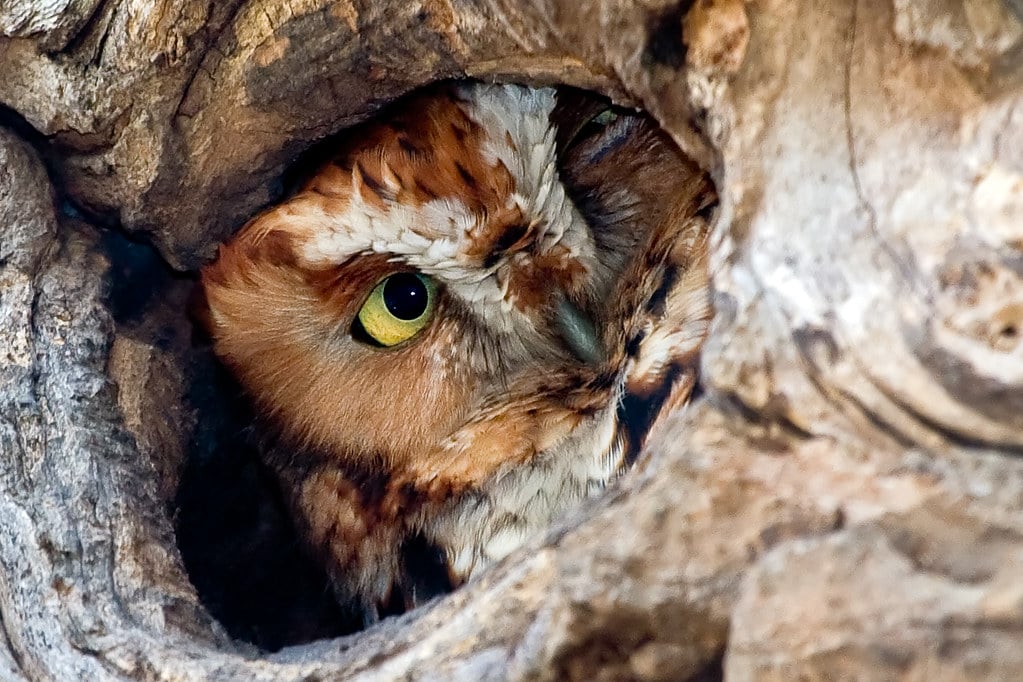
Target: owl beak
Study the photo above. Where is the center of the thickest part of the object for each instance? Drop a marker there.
(579, 333)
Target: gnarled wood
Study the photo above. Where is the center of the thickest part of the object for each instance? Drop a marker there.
(846, 498)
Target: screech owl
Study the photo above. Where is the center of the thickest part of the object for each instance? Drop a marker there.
(462, 325)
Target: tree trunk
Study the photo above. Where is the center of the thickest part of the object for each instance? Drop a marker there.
(845, 500)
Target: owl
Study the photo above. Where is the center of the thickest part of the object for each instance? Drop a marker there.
(462, 325)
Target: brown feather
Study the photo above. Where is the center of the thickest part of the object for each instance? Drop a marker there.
(431, 437)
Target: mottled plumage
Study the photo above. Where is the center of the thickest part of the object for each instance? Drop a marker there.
(561, 245)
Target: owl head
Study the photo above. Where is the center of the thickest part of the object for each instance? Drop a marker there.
(455, 290)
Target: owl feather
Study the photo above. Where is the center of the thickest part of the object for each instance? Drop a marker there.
(554, 250)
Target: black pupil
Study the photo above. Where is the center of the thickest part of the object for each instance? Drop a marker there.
(405, 296)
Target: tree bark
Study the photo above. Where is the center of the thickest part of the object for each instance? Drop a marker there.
(844, 501)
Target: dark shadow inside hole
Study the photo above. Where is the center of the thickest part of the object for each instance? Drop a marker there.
(138, 282)
(236, 539)
(713, 671)
(238, 543)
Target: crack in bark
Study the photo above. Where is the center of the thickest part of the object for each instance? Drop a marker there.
(17, 656)
(905, 268)
(755, 416)
(211, 44)
(948, 433)
(78, 38)
(101, 43)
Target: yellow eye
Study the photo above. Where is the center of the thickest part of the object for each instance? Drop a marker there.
(397, 309)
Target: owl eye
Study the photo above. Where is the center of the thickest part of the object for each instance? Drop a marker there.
(595, 125)
(399, 307)
(604, 118)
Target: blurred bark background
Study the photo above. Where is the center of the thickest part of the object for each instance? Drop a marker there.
(846, 500)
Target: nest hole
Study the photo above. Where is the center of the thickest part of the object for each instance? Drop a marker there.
(1006, 327)
(239, 545)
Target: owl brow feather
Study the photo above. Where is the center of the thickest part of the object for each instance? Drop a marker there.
(487, 347)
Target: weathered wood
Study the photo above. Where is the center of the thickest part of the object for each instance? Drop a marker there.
(847, 497)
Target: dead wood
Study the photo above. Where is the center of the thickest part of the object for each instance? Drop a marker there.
(846, 500)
